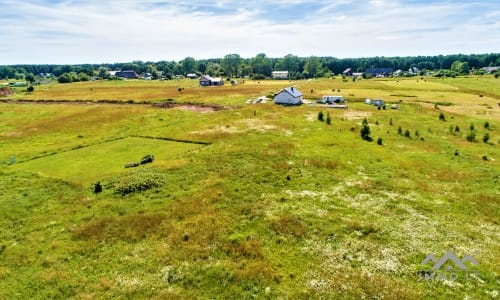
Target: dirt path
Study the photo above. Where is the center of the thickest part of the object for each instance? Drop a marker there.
(197, 107)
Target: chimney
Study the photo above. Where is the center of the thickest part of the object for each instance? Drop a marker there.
(291, 88)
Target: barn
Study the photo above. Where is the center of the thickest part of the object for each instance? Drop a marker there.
(206, 80)
(288, 96)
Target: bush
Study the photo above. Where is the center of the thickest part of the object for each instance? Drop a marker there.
(407, 134)
(30, 89)
(97, 187)
(132, 165)
(147, 159)
(471, 137)
(441, 117)
(328, 118)
(486, 125)
(320, 116)
(486, 137)
(471, 127)
(365, 131)
(258, 77)
(380, 141)
(400, 130)
(457, 129)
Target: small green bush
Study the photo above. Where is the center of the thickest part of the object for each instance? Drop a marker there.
(442, 117)
(365, 131)
(486, 125)
(328, 118)
(471, 137)
(380, 141)
(486, 137)
(97, 187)
(320, 116)
(407, 134)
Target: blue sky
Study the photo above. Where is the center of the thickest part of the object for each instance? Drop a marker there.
(96, 31)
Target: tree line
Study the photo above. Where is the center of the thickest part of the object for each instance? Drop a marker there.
(260, 66)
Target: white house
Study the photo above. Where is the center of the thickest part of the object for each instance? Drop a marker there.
(288, 96)
(280, 74)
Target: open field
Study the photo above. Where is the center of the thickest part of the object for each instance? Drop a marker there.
(272, 204)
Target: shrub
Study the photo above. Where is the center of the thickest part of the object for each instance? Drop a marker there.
(380, 141)
(132, 165)
(400, 130)
(486, 137)
(486, 125)
(365, 131)
(258, 77)
(407, 134)
(320, 116)
(471, 137)
(97, 187)
(30, 89)
(147, 159)
(390, 122)
(441, 117)
(328, 118)
(471, 127)
(457, 129)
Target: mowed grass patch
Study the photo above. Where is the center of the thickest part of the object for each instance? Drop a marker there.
(88, 164)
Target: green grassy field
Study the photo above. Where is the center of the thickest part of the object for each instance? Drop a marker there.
(273, 204)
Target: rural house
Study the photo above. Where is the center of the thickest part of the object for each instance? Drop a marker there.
(379, 72)
(288, 96)
(206, 80)
(280, 74)
(347, 72)
(127, 74)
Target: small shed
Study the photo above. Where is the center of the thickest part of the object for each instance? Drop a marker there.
(288, 96)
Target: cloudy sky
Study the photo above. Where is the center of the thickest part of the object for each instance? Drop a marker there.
(106, 31)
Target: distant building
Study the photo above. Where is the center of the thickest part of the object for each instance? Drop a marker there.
(206, 80)
(379, 72)
(347, 72)
(489, 70)
(127, 74)
(288, 96)
(280, 74)
(192, 76)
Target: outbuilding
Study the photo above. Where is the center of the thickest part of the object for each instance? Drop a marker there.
(288, 96)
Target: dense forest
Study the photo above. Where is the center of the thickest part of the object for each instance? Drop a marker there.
(260, 66)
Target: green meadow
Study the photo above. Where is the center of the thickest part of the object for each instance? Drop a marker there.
(249, 201)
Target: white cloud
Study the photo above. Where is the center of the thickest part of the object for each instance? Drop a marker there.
(111, 31)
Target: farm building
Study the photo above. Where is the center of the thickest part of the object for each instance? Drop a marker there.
(127, 74)
(192, 76)
(379, 72)
(347, 72)
(489, 70)
(206, 80)
(280, 74)
(288, 96)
